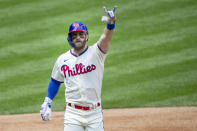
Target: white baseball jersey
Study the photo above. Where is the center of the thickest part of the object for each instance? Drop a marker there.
(82, 75)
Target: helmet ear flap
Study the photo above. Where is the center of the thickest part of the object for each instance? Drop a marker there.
(70, 41)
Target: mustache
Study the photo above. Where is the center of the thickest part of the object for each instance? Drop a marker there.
(78, 40)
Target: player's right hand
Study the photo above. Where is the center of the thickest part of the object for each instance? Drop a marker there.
(45, 110)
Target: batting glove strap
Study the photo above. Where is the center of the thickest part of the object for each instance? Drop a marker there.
(111, 26)
(47, 100)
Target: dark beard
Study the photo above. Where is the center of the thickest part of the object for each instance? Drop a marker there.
(81, 47)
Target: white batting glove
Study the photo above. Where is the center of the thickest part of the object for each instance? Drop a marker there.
(45, 110)
(110, 15)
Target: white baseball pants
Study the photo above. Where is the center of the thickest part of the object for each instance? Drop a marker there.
(80, 120)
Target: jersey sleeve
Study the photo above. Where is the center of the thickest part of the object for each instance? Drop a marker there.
(56, 74)
(101, 54)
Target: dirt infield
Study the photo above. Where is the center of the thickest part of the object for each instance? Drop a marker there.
(136, 119)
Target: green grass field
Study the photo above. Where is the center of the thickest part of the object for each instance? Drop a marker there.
(152, 59)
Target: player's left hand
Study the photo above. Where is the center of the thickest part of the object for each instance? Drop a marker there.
(110, 15)
(45, 110)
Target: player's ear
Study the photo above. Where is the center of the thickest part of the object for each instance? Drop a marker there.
(86, 37)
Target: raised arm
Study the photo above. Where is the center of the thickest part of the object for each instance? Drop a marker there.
(104, 41)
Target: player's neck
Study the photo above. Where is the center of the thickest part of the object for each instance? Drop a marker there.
(78, 52)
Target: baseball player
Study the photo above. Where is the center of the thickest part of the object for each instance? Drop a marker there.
(81, 70)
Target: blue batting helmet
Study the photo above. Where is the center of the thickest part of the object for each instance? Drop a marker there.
(76, 26)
